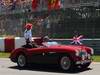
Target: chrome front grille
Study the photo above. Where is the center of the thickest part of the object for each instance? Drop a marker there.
(83, 54)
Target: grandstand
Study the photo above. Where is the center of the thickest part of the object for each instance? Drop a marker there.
(75, 15)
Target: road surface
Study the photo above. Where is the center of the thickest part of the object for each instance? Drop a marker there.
(9, 68)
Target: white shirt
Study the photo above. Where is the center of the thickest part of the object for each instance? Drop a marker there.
(28, 34)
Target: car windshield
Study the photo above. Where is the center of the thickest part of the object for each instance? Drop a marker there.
(52, 43)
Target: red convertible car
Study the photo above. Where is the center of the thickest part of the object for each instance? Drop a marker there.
(66, 56)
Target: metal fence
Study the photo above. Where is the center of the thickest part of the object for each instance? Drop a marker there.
(57, 23)
(61, 23)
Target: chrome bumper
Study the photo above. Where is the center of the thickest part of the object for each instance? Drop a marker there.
(83, 62)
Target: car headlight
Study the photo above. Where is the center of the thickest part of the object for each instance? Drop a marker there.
(81, 53)
(92, 51)
(77, 52)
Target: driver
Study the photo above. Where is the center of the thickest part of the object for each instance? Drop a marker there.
(47, 42)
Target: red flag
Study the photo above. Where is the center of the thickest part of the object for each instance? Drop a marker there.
(54, 4)
(51, 4)
(34, 4)
(57, 4)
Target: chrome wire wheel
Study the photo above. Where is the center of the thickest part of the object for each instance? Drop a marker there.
(65, 63)
(21, 61)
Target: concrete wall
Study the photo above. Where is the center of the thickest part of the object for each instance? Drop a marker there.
(2, 44)
(8, 44)
(19, 42)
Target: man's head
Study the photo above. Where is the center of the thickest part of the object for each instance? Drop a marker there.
(45, 38)
(28, 26)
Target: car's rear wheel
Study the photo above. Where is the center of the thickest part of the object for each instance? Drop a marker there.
(21, 60)
(65, 63)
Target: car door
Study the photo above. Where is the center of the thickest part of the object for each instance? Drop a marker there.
(43, 55)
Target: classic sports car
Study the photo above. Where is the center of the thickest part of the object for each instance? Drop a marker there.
(66, 56)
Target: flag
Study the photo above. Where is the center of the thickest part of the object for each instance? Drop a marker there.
(57, 4)
(54, 4)
(34, 4)
(77, 40)
(51, 4)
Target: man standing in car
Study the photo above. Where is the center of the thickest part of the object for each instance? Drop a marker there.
(28, 34)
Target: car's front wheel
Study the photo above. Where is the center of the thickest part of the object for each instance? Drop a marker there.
(21, 60)
(65, 63)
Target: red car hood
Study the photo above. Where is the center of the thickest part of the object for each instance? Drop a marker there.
(69, 47)
(55, 48)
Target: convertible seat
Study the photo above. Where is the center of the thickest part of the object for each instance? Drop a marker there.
(38, 41)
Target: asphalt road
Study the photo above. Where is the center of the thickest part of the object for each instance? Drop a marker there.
(9, 68)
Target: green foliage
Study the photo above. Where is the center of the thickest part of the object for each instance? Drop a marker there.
(4, 55)
(96, 58)
(60, 36)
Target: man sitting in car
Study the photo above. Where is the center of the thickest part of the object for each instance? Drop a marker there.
(47, 42)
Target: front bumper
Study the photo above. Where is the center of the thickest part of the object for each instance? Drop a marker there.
(83, 62)
(84, 59)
